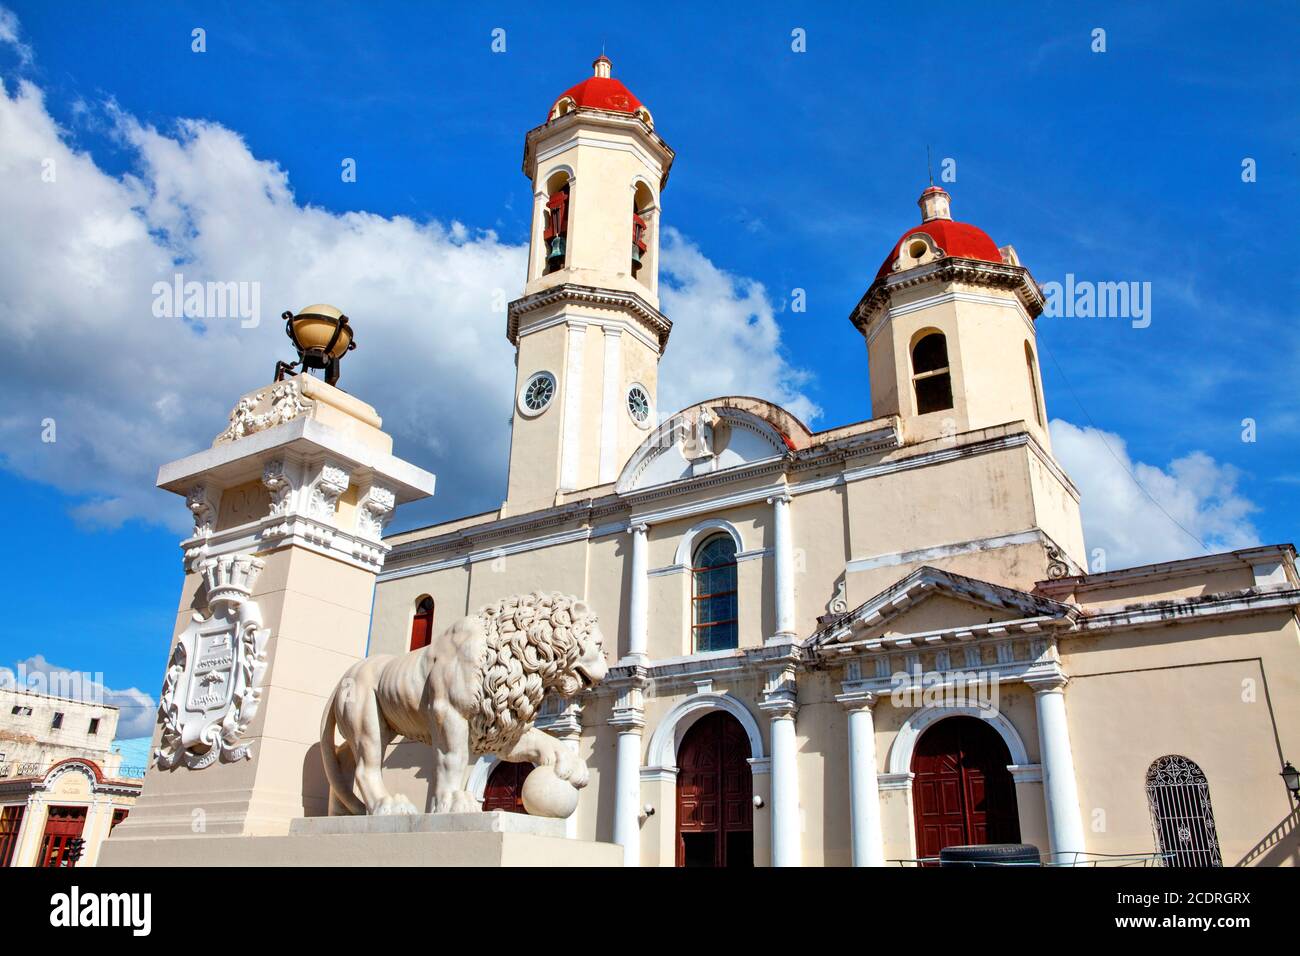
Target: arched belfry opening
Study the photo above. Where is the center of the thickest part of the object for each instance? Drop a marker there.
(931, 376)
(643, 226)
(715, 793)
(555, 227)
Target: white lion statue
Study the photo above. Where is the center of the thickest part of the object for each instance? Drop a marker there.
(474, 690)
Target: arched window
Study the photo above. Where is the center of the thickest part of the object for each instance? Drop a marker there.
(643, 205)
(930, 375)
(1033, 384)
(422, 623)
(555, 228)
(714, 598)
(1181, 816)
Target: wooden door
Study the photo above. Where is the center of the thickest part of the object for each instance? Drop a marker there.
(715, 792)
(505, 787)
(61, 825)
(11, 822)
(962, 793)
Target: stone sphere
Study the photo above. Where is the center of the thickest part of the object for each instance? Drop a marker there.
(546, 795)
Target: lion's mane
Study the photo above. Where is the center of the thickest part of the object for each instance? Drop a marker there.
(533, 641)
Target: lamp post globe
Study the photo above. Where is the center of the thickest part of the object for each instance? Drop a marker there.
(322, 336)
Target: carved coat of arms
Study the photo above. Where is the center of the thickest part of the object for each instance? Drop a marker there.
(213, 684)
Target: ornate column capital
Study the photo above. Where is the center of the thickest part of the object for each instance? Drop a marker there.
(330, 481)
(562, 719)
(856, 698)
(375, 510)
(638, 527)
(780, 695)
(202, 502)
(1046, 679)
(629, 700)
(782, 497)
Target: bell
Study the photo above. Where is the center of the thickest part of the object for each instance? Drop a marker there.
(636, 254)
(557, 248)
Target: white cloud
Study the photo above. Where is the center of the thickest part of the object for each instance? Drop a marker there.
(725, 338)
(9, 30)
(1200, 493)
(137, 709)
(79, 258)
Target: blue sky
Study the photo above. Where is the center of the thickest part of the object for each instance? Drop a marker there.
(794, 170)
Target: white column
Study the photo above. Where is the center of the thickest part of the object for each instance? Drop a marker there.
(611, 404)
(864, 790)
(783, 547)
(780, 699)
(571, 450)
(637, 617)
(629, 720)
(785, 793)
(1064, 821)
(627, 796)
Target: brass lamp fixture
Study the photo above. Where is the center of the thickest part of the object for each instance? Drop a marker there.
(322, 336)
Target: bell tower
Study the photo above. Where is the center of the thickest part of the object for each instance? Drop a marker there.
(588, 331)
(949, 325)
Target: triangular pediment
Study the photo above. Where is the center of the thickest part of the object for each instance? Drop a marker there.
(930, 602)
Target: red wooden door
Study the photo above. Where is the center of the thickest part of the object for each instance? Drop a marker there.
(11, 821)
(715, 792)
(962, 792)
(61, 825)
(505, 787)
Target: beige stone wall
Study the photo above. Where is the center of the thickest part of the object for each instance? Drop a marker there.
(1225, 694)
(33, 739)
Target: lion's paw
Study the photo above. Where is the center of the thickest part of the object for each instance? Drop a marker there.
(462, 801)
(572, 768)
(395, 805)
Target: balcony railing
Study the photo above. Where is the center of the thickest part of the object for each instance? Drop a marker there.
(17, 771)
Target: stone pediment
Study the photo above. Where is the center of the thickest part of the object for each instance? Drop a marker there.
(930, 603)
(713, 436)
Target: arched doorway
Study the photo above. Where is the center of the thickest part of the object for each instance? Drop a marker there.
(715, 792)
(505, 787)
(962, 792)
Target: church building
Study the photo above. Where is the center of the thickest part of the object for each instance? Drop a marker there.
(854, 646)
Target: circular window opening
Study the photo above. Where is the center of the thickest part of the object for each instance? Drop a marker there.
(638, 405)
(537, 393)
(916, 250)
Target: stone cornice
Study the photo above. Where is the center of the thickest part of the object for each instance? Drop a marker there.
(630, 505)
(977, 272)
(1176, 611)
(586, 116)
(610, 513)
(654, 320)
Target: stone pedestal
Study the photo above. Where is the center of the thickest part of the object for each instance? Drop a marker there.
(432, 839)
(289, 506)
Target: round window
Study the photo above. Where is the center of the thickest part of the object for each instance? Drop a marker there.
(537, 393)
(638, 405)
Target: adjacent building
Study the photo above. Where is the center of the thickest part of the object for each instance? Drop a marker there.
(60, 779)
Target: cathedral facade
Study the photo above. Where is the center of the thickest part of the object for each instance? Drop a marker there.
(859, 645)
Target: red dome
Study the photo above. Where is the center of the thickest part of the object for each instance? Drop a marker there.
(601, 92)
(959, 239)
